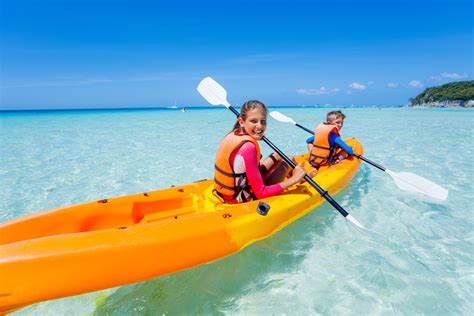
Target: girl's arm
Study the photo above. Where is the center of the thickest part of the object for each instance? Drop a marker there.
(249, 154)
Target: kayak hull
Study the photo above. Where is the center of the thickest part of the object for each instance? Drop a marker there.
(112, 242)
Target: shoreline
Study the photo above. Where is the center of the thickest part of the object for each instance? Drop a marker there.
(446, 104)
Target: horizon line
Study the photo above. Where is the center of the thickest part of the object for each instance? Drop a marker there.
(171, 108)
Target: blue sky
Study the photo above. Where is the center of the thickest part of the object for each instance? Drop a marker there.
(59, 54)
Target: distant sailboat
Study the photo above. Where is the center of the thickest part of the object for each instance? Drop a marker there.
(174, 106)
(183, 109)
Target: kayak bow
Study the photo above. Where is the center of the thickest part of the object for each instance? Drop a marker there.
(116, 241)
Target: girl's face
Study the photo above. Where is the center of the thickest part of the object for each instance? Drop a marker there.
(255, 123)
(338, 121)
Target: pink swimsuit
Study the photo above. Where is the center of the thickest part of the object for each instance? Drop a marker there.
(244, 161)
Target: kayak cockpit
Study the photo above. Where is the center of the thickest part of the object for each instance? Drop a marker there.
(114, 213)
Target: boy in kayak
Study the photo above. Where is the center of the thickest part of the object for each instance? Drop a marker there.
(238, 171)
(326, 144)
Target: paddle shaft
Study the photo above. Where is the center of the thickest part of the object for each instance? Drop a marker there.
(320, 190)
(376, 165)
(304, 128)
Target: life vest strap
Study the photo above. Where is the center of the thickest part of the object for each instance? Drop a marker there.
(240, 189)
(322, 157)
(232, 175)
(245, 188)
(223, 185)
(322, 147)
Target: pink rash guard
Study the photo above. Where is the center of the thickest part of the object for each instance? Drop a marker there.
(244, 161)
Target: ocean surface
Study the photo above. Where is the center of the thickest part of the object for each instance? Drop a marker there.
(422, 263)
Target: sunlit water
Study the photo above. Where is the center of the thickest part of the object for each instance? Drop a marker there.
(421, 264)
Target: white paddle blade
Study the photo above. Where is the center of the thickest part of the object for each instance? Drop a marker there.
(213, 92)
(354, 221)
(281, 117)
(411, 182)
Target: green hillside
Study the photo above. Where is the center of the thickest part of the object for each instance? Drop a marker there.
(459, 91)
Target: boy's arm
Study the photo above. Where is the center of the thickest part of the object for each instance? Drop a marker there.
(309, 142)
(348, 149)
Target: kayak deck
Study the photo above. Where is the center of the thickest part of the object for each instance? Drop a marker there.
(110, 213)
(120, 240)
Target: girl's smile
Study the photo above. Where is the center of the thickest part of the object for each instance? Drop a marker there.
(255, 123)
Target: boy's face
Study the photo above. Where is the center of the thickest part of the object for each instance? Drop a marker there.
(336, 120)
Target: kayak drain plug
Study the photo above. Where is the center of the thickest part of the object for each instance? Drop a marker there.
(263, 208)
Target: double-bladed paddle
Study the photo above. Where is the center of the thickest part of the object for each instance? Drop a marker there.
(215, 94)
(404, 180)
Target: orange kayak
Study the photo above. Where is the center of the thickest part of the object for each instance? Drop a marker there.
(116, 241)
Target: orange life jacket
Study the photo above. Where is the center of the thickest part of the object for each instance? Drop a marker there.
(227, 183)
(322, 153)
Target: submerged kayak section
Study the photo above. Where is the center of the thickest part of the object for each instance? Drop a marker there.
(116, 241)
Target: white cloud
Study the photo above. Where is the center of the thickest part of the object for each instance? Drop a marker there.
(434, 79)
(310, 91)
(357, 86)
(416, 84)
(319, 91)
(453, 75)
(392, 85)
(371, 82)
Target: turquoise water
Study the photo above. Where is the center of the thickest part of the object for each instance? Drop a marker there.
(319, 265)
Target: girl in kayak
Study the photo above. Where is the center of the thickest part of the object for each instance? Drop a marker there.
(326, 144)
(239, 175)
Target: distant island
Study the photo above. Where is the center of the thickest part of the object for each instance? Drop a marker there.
(454, 94)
